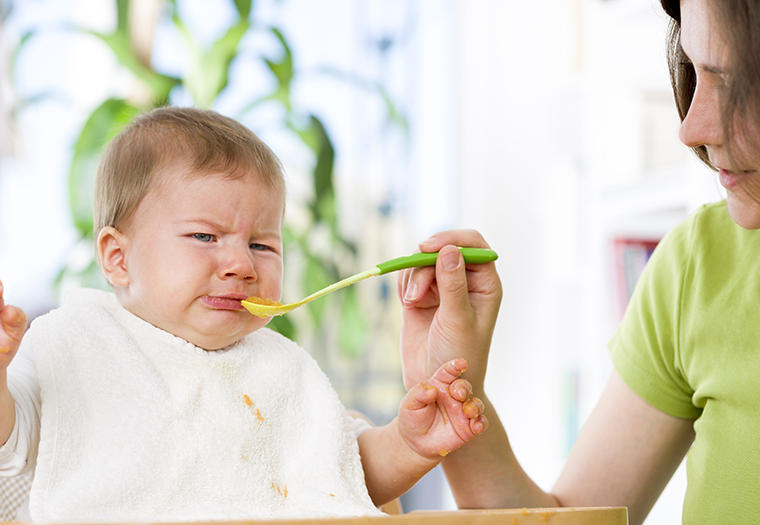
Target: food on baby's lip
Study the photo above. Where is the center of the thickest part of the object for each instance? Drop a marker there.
(263, 300)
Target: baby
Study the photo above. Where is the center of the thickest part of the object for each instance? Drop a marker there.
(166, 399)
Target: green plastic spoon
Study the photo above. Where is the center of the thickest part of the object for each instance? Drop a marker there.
(268, 308)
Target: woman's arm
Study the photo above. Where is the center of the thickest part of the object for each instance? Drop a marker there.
(627, 451)
(625, 455)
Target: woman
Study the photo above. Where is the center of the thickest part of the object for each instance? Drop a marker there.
(686, 355)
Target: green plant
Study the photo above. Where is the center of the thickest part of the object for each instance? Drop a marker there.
(204, 79)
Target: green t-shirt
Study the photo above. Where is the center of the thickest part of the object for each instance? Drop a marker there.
(689, 345)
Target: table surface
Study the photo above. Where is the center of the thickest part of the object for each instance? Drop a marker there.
(548, 516)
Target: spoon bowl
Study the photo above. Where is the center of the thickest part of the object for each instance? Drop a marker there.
(262, 307)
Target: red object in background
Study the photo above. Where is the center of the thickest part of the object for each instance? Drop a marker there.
(631, 255)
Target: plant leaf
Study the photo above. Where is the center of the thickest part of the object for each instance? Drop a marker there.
(159, 84)
(317, 276)
(102, 125)
(208, 73)
(283, 325)
(324, 191)
(282, 70)
(243, 8)
(353, 326)
(122, 16)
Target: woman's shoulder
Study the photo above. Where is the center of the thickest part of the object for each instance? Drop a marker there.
(706, 220)
(711, 229)
(709, 224)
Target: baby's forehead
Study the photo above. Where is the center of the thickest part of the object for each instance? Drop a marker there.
(181, 173)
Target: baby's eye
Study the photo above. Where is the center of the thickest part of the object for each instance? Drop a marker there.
(259, 247)
(203, 237)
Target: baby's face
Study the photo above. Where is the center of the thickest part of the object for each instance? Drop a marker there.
(195, 248)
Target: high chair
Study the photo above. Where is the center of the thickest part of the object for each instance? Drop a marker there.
(13, 492)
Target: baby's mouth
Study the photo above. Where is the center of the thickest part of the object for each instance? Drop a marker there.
(224, 302)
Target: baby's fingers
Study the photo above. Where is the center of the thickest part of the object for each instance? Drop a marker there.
(478, 425)
(449, 372)
(473, 408)
(420, 396)
(460, 389)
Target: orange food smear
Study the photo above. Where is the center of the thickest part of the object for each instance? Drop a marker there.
(261, 300)
(258, 415)
(282, 491)
(247, 400)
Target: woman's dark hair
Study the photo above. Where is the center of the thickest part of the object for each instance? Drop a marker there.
(740, 107)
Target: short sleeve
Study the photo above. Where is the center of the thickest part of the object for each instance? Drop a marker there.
(645, 349)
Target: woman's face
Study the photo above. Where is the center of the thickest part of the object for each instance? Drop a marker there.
(702, 42)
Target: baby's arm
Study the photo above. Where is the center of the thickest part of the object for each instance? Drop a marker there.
(435, 418)
(12, 328)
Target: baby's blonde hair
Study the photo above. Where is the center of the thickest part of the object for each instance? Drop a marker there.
(203, 141)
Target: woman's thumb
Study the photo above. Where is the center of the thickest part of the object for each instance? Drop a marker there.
(450, 274)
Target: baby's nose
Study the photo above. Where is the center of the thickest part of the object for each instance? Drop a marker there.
(238, 265)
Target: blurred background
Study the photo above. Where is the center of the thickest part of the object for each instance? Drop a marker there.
(547, 125)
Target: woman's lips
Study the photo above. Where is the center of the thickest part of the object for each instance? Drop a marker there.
(223, 302)
(731, 180)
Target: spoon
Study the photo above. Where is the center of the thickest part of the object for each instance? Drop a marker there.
(267, 308)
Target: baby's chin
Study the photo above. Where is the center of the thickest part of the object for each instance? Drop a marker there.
(212, 330)
(212, 342)
(221, 337)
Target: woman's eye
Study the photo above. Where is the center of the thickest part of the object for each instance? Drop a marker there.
(203, 237)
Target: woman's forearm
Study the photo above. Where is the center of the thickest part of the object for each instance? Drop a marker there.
(486, 474)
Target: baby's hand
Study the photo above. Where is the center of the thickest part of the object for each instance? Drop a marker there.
(439, 416)
(12, 328)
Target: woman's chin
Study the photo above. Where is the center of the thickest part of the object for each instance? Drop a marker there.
(744, 211)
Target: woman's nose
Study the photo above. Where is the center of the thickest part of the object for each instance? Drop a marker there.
(702, 125)
(238, 264)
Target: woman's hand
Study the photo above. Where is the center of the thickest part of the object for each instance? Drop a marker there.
(449, 310)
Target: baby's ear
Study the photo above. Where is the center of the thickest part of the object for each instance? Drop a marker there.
(111, 244)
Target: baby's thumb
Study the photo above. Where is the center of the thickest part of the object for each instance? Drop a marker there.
(450, 274)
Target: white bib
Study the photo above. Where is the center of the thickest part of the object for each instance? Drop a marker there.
(140, 425)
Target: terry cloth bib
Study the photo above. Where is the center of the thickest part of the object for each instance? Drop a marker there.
(138, 424)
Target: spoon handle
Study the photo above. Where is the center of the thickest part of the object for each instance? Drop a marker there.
(471, 256)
